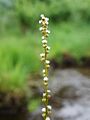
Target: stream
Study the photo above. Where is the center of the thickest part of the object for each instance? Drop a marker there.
(70, 95)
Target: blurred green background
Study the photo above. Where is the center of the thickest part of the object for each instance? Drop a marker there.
(20, 39)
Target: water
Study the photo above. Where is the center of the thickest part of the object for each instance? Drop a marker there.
(71, 97)
(72, 87)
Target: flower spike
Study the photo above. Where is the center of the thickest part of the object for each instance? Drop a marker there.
(46, 110)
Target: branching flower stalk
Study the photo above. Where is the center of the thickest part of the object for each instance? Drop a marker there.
(46, 110)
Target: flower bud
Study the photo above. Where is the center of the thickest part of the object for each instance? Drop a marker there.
(45, 83)
(48, 48)
(47, 35)
(44, 45)
(47, 19)
(43, 110)
(49, 107)
(42, 59)
(49, 91)
(43, 99)
(46, 23)
(48, 66)
(48, 31)
(44, 75)
(45, 79)
(49, 96)
(44, 41)
(40, 28)
(42, 55)
(47, 62)
(47, 118)
(44, 94)
(49, 112)
(40, 21)
(43, 37)
(43, 71)
(43, 114)
(42, 15)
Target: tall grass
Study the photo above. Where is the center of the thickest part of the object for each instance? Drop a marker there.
(17, 60)
(19, 54)
(72, 38)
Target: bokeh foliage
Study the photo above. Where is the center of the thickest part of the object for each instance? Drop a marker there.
(20, 43)
(27, 12)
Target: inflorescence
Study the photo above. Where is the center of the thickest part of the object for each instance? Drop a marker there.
(46, 110)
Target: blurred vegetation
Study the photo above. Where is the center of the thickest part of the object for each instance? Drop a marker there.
(20, 42)
(34, 103)
(25, 13)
